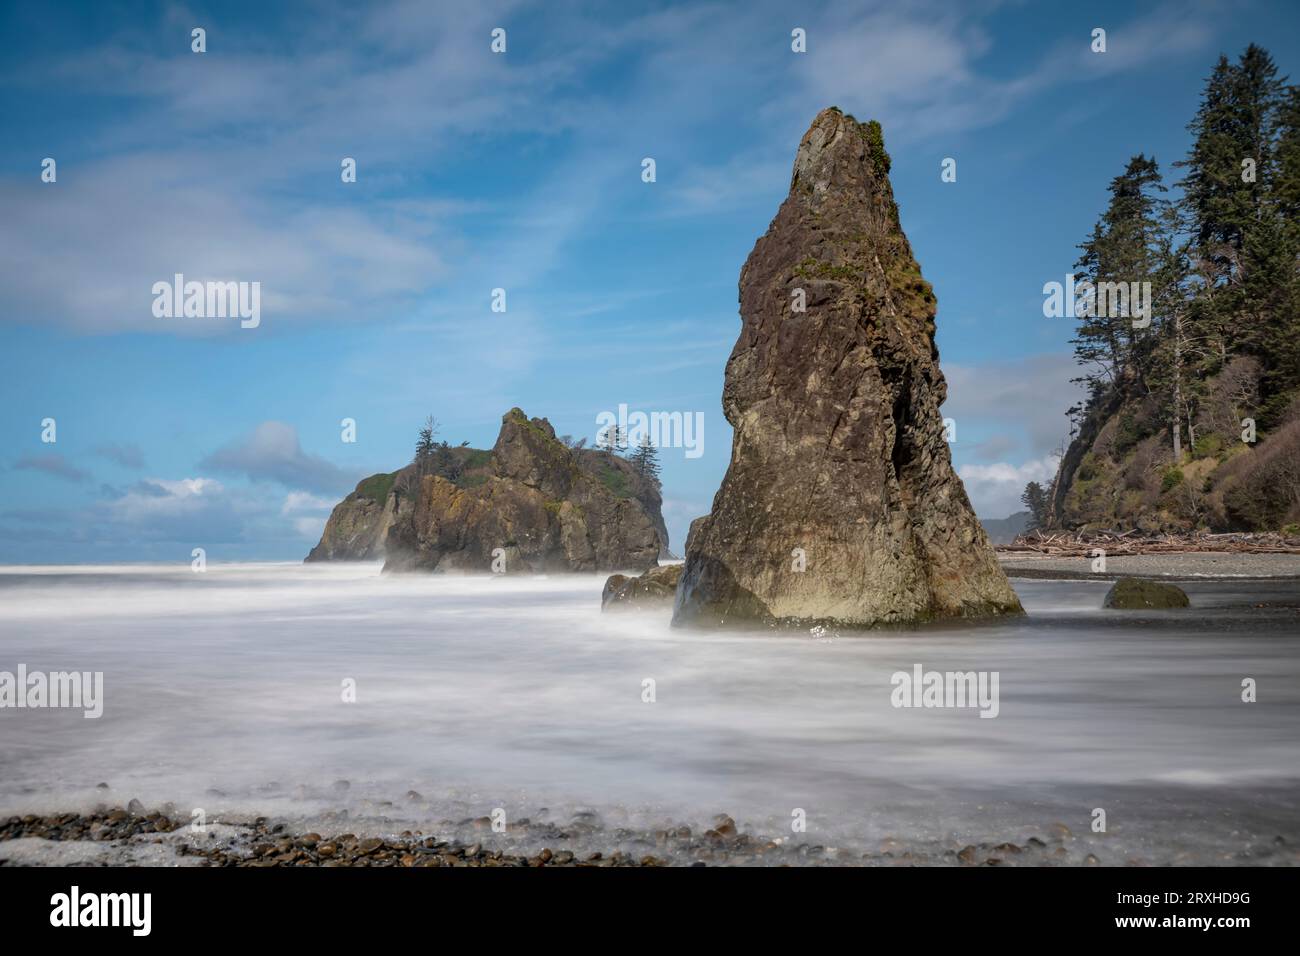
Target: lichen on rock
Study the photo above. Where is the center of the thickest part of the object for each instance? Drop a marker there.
(1129, 594)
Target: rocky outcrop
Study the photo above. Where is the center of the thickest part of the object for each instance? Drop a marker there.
(840, 503)
(1121, 473)
(548, 507)
(358, 526)
(538, 506)
(654, 590)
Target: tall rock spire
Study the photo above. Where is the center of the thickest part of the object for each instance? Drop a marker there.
(840, 504)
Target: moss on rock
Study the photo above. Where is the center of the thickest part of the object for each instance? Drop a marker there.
(1137, 594)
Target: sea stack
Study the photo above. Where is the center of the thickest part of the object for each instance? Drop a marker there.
(840, 505)
(530, 504)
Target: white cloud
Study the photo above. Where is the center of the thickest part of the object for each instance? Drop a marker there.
(1022, 402)
(995, 489)
(197, 511)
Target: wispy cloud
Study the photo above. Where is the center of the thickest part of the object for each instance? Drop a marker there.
(52, 463)
(272, 452)
(125, 454)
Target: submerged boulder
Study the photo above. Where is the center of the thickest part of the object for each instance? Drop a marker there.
(1131, 594)
(840, 503)
(652, 590)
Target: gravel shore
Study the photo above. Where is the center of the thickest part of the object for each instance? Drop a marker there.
(135, 837)
(1202, 564)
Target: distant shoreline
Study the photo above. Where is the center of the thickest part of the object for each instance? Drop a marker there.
(1189, 565)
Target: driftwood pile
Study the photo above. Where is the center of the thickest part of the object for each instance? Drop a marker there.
(1070, 544)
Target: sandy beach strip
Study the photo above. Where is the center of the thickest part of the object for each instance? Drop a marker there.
(1192, 564)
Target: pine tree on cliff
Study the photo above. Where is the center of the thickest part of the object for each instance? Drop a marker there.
(611, 440)
(1124, 248)
(1096, 346)
(425, 445)
(1272, 291)
(1234, 124)
(645, 459)
(1226, 197)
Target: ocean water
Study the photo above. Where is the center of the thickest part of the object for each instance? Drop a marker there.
(224, 691)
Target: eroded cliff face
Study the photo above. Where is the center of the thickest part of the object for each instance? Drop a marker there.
(533, 505)
(840, 503)
(358, 526)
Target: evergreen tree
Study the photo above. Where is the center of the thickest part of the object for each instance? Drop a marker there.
(1227, 200)
(611, 440)
(1286, 162)
(1123, 249)
(445, 463)
(425, 444)
(1035, 499)
(645, 459)
(1271, 293)
(1234, 124)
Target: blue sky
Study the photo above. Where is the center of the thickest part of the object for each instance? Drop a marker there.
(521, 171)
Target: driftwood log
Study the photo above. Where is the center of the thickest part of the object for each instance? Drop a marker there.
(1081, 544)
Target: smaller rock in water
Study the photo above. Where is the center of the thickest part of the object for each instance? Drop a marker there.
(1135, 594)
(653, 590)
(612, 585)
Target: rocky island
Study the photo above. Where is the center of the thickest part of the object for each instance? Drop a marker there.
(531, 504)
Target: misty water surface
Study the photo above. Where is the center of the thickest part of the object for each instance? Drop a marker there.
(223, 691)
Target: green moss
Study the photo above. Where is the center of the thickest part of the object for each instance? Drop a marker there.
(1087, 470)
(875, 138)
(811, 268)
(911, 290)
(376, 487)
(1208, 446)
(1139, 594)
(615, 479)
